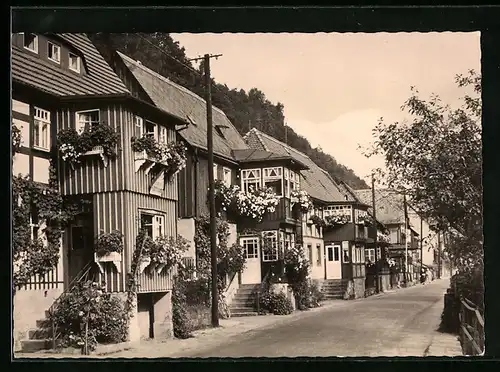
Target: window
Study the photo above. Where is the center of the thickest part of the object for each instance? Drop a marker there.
(162, 134)
(310, 252)
(273, 178)
(34, 222)
(215, 172)
(270, 249)
(227, 176)
(150, 129)
(31, 42)
(393, 236)
(139, 126)
(379, 254)
(336, 251)
(74, 62)
(370, 255)
(345, 255)
(251, 179)
(86, 119)
(41, 129)
(336, 210)
(318, 254)
(154, 224)
(54, 52)
(250, 247)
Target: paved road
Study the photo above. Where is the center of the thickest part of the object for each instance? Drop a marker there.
(394, 324)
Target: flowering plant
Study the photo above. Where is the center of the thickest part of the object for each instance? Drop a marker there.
(318, 221)
(172, 155)
(16, 138)
(302, 199)
(73, 144)
(335, 220)
(109, 242)
(383, 238)
(365, 219)
(391, 262)
(87, 315)
(168, 251)
(253, 204)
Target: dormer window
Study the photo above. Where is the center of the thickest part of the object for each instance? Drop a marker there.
(74, 62)
(54, 52)
(31, 42)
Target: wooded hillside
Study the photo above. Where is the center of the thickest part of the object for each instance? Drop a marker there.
(161, 53)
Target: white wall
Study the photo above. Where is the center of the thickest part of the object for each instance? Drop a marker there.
(318, 260)
(185, 228)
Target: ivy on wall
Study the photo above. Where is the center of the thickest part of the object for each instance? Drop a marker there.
(35, 202)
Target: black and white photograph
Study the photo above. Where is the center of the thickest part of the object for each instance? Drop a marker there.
(236, 195)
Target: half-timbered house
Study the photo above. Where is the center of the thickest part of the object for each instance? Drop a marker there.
(60, 81)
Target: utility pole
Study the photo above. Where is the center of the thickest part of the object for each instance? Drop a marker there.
(406, 238)
(421, 244)
(211, 188)
(377, 287)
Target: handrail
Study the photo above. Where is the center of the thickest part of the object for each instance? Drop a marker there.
(465, 327)
(82, 274)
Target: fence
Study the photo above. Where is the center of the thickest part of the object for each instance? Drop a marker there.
(189, 264)
(471, 328)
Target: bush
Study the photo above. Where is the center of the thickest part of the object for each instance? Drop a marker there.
(308, 295)
(88, 306)
(199, 317)
(275, 303)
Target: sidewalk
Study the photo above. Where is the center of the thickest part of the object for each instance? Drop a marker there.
(444, 344)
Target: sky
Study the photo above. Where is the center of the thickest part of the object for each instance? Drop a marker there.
(334, 86)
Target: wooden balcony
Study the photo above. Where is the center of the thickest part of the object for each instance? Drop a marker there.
(283, 213)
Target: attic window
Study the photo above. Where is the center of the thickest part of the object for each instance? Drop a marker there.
(218, 130)
(74, 62)
(31, 42)
(54, 52)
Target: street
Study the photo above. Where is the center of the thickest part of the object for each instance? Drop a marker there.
(401, 323)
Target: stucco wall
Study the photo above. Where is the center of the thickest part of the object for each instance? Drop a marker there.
(317, 271)
(30, 306)
(185, 228)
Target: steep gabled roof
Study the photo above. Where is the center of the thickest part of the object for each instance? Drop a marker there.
(183, 103)
(389, 205)
(100, 79)
(254, 155)
(315, 180)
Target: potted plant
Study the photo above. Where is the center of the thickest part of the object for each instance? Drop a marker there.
(109, 247)
(167, 252)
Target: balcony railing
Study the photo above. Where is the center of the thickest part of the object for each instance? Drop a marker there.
(283, 212)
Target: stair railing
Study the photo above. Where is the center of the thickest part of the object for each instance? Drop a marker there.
(81, 276)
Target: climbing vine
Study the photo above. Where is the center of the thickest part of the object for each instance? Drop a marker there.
(16, 139)
(42, 207)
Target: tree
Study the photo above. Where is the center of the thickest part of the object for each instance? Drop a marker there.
(435, 158)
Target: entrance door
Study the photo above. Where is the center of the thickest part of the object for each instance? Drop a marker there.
(333, 263)
(81, 244)
(251, 273)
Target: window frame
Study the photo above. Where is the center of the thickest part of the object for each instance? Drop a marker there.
(78, 62)
(155, 216)
(78, 122)
(310, 253)
(318, 256)
(245, 178)
(246, 239)
(273, 235)
(349, 259)
(45, 123)
(267, 178)
(50, 45)
(370, 253)
(35, 42)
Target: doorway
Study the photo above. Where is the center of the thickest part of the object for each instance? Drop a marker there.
(333, 263)
(252, 272)
(81, 244)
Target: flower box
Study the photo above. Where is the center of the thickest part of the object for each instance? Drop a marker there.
(143, 263)
(114, 257)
